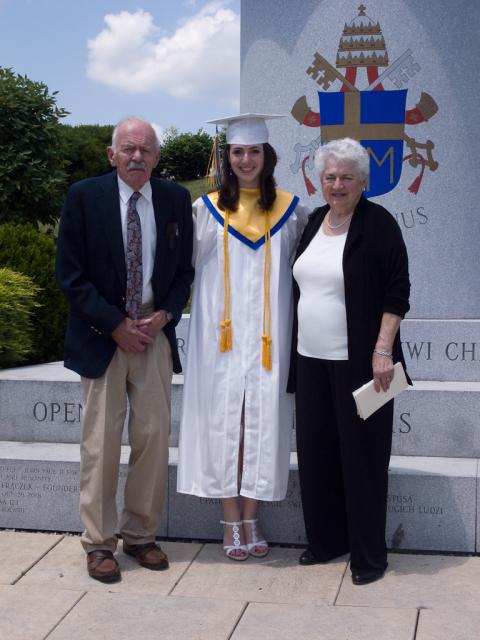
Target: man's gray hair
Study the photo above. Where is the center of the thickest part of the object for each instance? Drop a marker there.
(344, 150)
(133, 119)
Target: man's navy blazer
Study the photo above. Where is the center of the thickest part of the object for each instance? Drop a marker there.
(91, 269)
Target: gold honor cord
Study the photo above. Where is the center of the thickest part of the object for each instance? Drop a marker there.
(267, 311)
(226, 323)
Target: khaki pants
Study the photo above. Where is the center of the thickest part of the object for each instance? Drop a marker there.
(146, 379)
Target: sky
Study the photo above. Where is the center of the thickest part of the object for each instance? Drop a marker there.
(174, 63)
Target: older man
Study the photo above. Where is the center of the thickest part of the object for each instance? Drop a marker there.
(124, 263)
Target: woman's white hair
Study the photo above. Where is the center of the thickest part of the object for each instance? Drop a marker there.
(344, 150)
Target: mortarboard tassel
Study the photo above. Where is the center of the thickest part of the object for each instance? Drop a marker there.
(214, 171)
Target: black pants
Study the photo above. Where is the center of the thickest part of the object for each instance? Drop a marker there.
(343, 466)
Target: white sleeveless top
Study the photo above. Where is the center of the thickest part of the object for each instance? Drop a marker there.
(322, 319)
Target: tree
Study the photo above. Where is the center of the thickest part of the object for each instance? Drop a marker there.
(32, 179)
(84, 150)
(185, 156)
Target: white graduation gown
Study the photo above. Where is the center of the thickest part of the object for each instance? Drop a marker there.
(216, 384)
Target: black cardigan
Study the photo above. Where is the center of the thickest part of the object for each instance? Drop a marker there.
(375, 270)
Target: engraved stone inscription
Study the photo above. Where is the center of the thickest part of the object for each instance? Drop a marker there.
(462, 351)
(69, 412)
(27, 488)
(420, 350)
(402, 424)
(411, 218)
(453, 351)
(40, 494)
(407, 504)
(209, 500)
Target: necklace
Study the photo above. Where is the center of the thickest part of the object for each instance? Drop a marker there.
(337, 226)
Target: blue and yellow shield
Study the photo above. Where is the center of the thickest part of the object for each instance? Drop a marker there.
(377, 120)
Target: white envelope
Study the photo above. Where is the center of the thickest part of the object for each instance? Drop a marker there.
(368, 400)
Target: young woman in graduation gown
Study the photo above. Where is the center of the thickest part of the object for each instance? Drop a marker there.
(237, 417)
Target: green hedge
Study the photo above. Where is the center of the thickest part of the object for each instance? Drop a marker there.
(26, 250)
(17, 301)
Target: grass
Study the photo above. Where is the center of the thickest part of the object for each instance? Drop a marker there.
(196, 187)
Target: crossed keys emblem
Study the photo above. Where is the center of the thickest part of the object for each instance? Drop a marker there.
(399, 73)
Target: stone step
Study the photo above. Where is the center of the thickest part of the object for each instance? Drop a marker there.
(432, 504)
(443, 350)
(39, 486)
(44, 404)
(434, 349)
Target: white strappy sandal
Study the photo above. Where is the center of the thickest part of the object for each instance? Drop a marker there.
(256, 548)
(230, 549)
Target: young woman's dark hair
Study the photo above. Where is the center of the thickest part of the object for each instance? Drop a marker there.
(229, 191)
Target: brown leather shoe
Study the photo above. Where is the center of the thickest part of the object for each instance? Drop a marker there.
(101, 565)
(148, 555)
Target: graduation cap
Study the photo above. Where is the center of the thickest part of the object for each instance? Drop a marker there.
(246, 128)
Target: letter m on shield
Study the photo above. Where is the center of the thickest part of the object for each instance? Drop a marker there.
(377, 120)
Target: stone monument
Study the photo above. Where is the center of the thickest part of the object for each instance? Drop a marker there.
(396, 76)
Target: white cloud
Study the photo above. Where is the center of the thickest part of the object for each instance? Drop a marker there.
(201, 57)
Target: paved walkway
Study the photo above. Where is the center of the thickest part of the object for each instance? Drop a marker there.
(45, 593)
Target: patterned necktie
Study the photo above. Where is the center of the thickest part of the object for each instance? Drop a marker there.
(134, 258)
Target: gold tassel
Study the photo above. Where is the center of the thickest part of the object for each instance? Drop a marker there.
(226, 324)
(225, 335)
(267, 267)
(266, 353)
(214, 171)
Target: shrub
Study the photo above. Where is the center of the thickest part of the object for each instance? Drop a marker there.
(31, 252)
(17, 301)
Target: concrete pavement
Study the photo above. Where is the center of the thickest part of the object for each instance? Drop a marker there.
(45, 593)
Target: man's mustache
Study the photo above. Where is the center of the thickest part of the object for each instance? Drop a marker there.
(136, 165)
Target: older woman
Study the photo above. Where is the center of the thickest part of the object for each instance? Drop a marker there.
(351, 291)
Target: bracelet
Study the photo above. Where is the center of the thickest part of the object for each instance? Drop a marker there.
(385, 354)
